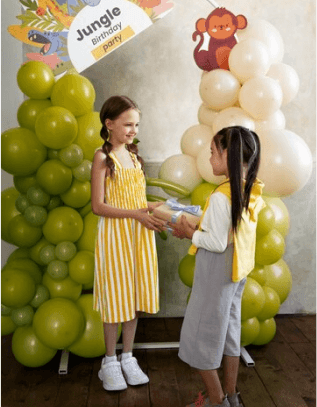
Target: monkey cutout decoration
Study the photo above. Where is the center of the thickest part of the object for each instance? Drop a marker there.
(221, 26)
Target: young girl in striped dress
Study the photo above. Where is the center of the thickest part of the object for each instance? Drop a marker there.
(126, 274)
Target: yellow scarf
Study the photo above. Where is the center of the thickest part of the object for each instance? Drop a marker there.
(244, 238)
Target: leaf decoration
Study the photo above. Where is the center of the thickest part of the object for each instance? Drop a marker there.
(48, 21)
(30, 4)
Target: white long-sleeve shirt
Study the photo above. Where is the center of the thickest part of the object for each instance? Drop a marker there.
(216, 225)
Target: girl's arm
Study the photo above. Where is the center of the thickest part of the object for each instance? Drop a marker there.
(99, 172)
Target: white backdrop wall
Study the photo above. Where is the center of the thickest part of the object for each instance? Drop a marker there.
(158, 71)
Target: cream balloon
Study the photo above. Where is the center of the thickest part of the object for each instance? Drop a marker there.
(232, 116)
(288, 80)
(264, 31)
(180, 168)
(261, 97)
(206, 115)
(275, 121)
(219, 89)
(194, 138)
(286, 162)
(204, 167)
(249, 58)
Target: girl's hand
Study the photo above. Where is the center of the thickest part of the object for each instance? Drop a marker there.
(149, 221)
(152, 205)
(183, 229)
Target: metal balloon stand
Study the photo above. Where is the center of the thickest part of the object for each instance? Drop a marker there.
(63, 366)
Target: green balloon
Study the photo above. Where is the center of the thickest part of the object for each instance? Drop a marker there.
(28, 111)
(22, 203)
(54, 177)
(22, 234)
(7, 325)
(26, 264)
(75, 93)
(54, 202)
(36, 79)
(266, 221)
(258, 274)
(37, 196)
(267, 332)
(71, 156)
(269, 248)
(22, 316)
(17, 288)
(65, 251)
(78, 195)
(88, 137)
(28, 349)
(87, 239)
(279, 277)
(186, 270)
(81, 267)
(36, 249)
(253, 299)
(271, 305)
(83, 171)
(58, 323)
(201, 193)
(8, 211)
(41, 295)
(281, 215)
(56, 127)
(53, 154)
(250, 329)
(66, 288)
(19, 253)
(22, 184)
(57, 269)
(35, 215)
(21, 151)
(5, 310)
(47, 254)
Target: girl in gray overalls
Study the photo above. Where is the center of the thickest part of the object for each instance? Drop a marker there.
(225, 245)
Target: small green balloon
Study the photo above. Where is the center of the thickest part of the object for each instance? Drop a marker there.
(65, 251)
(57, 269)
(54, 202)
(22, 316)
(36, 249)
(7, 325)
(83, 171)
(71, 155)
(35, 215)
(47, 254)
(22, 184)
(37, 196)
(41, 295)
(22, 203)
(5, 310)
(52, 154)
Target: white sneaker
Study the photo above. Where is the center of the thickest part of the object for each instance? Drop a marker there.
(111, 375)
(132, 371)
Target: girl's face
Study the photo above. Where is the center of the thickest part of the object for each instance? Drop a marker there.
(124, 128)
(218, 160)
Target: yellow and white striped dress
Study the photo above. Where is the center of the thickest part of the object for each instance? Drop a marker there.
(126, 271)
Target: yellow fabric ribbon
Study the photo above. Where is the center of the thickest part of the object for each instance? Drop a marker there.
(245, 237)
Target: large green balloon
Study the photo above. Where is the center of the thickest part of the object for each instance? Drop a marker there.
(63, 223)
(253, 299)
(28, 349)
(81, 267)
(267, 332)
(54, 177)
(22, 184)
(36, 79)
(78, 195)
(8, 211)
(87, 239)
(17, 288)
(250, 329)
(186, 270)
(269, 248)
(279, 277)
(56, 127)
(21, 151)
(75, 93)
(201, 193)
(19, 253)
(281, 215)
(25, 264)
(92, 343)
(266, 221)
(66, 288)
(58, 323)
(271, 305)
(258, 274)
(41, 295)
(7, 325)
(22, 234)
(28, 111)
(88, 137)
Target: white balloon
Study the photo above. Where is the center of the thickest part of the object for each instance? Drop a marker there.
(264, 31)
(274, 122)
(232, 116)
(249, 58)
(206, 115)
(261, 97)
(180, 168)
(286, 162)
(288, 80)
(194, 138)
(219, 89)
(204, 167)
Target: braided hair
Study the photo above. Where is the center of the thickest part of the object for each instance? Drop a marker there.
(111, 109)
(243, 147)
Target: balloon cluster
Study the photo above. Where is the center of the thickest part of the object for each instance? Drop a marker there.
(47, 214)
(250, 94)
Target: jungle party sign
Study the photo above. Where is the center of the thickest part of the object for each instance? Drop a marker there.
(78, 33)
